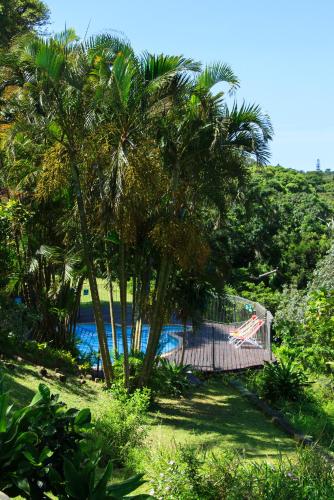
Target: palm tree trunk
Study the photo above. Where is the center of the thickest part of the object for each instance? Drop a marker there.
(157, 319)
(133, 312)
(143, 296)
(184, 339)
(123, 285)
(106, 362)
(111, 310)
(74, 314)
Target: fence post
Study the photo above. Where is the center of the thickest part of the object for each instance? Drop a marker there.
(268, 322)
(213, 347)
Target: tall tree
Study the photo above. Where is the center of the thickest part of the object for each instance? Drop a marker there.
(204, 149)
(18, 17)
(58, 102)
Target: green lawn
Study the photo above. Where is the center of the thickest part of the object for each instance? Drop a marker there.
(23, 383)
(103, 292)
(214, 417)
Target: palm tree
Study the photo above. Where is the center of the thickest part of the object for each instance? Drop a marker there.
(204, 147)
(133, 89)
(58, 100)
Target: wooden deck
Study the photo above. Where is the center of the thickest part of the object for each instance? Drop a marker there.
(210, 351)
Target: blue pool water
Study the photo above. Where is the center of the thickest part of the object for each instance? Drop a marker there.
(88, 340)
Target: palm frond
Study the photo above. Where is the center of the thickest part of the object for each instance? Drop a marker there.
(66, 37)
(47, 57)
(214, 74)
(157, 66)
(123, 72)
(250, 129)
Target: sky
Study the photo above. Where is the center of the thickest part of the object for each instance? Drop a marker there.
(282, 51)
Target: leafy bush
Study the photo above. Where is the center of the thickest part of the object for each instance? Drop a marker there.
(136, 360)
(120, 427)
(168, 379)
(306, 328)
(183, 473)
(281, 381)
(48, 356)
(319, 323)
(41, 353)
(262, 294)
(16, 320)
(175, 473)
(171, 379)
(44, 449)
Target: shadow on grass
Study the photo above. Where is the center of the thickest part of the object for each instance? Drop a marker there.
(216, 415)
(23, 381)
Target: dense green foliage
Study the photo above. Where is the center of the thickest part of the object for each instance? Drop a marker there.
(168, 378)
(280, 381)
(87, 128)
(184, 474)
(18, 17)
(120, 427)
(283, 222)
(313, 414)
(44, 449)
(132, 168)
(304, 320)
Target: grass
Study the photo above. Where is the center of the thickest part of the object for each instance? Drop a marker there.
(216, 417)
(86, 299)
(23, 382)
(314, 416)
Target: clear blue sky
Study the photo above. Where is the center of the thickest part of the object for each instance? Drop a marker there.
(281, 50)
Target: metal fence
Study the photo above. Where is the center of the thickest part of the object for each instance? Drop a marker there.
(210, 346)
(233, 310)
(218, 344)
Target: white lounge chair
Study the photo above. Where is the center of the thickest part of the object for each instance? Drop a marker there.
(246, 334)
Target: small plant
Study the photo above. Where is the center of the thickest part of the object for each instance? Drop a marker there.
(136, 359)
(171, 379)
(120, 427)
(282, 380)
(183, 473)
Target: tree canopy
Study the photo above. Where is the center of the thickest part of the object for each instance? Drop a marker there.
(18, 17)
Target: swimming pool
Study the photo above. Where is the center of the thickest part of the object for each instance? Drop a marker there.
(88, 343)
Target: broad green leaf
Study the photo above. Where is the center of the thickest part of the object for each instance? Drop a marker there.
(3, 412)
(42, 394)
(22, 485)
(100, 489)
(83, 417)
(27, 438)
(125, 487)
(76, 483)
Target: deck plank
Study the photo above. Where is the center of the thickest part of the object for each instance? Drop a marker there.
(199, 351)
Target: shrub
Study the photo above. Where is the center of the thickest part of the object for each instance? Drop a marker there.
(281, 380)
(168, 379)
(262, 294)
(304, 323)
(136, 360)
(183, 473)
(44, 449)
(48, 356)
(120, 427)
(175, 473)
(171, 379)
